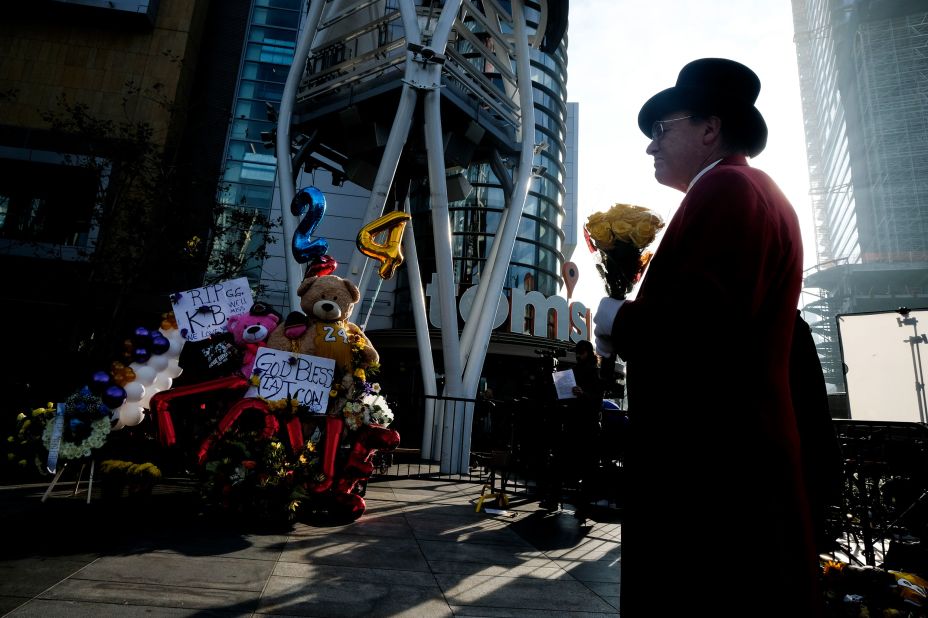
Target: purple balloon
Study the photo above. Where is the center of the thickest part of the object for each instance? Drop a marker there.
(99, 381)
(159, 344)
(140, 355)
(114, 396)
(141, 336)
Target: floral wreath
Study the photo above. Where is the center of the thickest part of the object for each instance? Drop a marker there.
(87, 423)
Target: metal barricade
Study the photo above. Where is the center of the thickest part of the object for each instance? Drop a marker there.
(883, 516)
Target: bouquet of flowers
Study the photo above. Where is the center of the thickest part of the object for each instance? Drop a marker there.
(620, 236)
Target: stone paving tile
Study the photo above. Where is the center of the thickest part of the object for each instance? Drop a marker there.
(600, 571)
(341, 549)
(27, 577)
(538, 568)
(150, 595)
(333, 599)
(375, 524)
(41, 608)
(505, 612)
(590, 548)
(321, 573)
(463, 526)
(519, 593)
(507, 556)
(177, 570)
(608, 592)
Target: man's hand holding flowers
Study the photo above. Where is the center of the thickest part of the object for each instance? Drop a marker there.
(619, 236)
(603, 320)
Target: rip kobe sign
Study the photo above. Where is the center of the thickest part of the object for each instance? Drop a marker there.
(204, 311)
(299, 377)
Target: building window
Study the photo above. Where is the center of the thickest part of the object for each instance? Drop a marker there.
(46, 203)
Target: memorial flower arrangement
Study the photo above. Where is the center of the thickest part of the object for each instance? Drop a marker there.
(361, 402)
(620, 236)
(369, 409)
(249, 473)
(86, 425)
(860, 591)
(23, 449)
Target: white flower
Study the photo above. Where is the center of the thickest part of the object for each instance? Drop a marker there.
(377, 410)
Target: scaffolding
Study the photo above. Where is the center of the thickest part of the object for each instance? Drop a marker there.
(864, 86)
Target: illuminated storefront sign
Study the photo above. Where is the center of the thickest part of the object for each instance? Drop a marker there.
(572, 322)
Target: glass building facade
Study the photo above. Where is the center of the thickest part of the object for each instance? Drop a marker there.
(249, 166)
(538, 255)
(863, 84)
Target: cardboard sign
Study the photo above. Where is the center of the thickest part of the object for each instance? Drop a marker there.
(300, 377)
(204, 311)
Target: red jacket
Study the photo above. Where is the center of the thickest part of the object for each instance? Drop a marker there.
(715, 484)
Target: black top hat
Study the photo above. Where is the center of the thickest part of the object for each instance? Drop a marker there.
(718, 87)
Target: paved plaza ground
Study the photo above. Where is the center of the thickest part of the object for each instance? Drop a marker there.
(420, 550)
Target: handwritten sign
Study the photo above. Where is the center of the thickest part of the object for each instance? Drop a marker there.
(299, 377)
(202, 312)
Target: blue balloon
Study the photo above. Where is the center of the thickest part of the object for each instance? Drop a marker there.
(159, 344)
(311, 201)
(141, 335)
(141, 355)
(99, 381)
(75, 424)
(114, 396)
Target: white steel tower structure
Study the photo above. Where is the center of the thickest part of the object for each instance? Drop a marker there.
(371, 77)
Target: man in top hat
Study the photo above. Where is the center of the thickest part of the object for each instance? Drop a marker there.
(717, 517)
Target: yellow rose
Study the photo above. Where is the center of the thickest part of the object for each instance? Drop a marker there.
(601, 233)
(621, 229)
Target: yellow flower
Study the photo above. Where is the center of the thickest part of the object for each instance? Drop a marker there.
(359, 374)
(333, 393)
(623, 222)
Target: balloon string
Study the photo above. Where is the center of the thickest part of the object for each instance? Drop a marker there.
(370, 309)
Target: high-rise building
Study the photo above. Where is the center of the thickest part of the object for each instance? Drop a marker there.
(93, 114)
(863, 68)
(337, 104)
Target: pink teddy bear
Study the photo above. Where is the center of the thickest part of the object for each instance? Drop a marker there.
(250, 331)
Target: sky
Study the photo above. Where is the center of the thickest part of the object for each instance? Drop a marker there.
(621, 52)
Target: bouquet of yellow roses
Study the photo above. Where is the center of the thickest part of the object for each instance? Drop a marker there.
(620, 236)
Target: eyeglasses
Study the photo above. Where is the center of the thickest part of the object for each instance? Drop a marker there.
(657, 129)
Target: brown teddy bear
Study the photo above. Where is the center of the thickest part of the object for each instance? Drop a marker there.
(324, 330)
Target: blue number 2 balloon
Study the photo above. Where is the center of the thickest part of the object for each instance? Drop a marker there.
(310, 201)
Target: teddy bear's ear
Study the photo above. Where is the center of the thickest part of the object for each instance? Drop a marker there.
(353, 290)
(308, 281)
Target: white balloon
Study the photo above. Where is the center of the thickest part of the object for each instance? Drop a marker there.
(174, 369)
(150, 391)
(119, 425)
(132, 416)
(135, 390)
(162, 382)
(144, 373)
(158, 362)
(177, 342)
